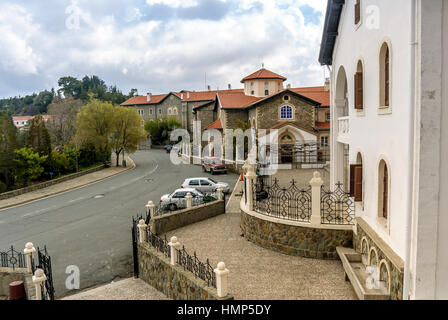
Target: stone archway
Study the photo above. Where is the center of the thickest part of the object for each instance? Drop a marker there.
(286, 142)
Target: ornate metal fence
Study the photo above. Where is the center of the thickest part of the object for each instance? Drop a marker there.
(158, 243)
(44, 263)
(288, 203)
(200, 269)
(337, 207)
(12, 259)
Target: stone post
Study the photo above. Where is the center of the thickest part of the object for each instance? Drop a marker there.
(29, 251)
(316, 187)
(251, 176)
(221, 280)
(189, 198)
(151, 207)
(220, 193)
(38, 279)
(142, 231)
(174, 246)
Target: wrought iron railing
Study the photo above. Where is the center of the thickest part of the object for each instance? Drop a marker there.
(200, 269)
(158, 243)
(12, 259)
(288, 203)
(337, 207)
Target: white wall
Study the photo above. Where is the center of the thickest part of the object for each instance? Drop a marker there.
(377, 135)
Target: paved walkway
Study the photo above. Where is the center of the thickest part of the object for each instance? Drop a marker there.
(67, 185)
(258, 273)
(128, 289)
(301, 176)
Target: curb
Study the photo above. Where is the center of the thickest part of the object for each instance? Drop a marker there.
(132, 167)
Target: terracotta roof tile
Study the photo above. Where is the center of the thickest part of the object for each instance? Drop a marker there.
(215, 125)
(318, 94)
(142, 100)
(236, 100)
(323, 125)
(206, 95)
(263, 74)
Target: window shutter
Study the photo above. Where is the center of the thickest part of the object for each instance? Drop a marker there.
(352, 180)
(358, 183)
(359, 91)
(357, 12)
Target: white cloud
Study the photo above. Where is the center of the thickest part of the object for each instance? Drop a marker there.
(174, 3)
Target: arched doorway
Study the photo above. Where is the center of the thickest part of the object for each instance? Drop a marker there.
(286, 143)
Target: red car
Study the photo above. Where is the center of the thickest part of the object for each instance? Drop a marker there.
(213, 165)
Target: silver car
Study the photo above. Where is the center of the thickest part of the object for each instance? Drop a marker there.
(176, 200)
(205, 185)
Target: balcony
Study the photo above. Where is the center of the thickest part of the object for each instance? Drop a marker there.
(343, 129)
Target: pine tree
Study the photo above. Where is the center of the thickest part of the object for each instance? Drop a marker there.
(38, 137)
(8, 143)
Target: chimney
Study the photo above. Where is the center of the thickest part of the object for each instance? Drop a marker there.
(327, 84)
(181, 96)
(148, 96)
(230, 86)
(209, 88)
(188, 95)
(288, 86)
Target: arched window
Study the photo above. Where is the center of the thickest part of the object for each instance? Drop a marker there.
(359, 89)
(286, 113)
(175, 111)
(383, 190)
(252, 91)
(266, 88)
(385, 76)
(169, 111)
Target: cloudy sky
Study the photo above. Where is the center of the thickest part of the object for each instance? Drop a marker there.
(157, 45)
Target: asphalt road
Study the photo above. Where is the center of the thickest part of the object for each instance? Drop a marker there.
(90, 232)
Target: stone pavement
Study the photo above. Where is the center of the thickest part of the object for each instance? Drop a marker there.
(128, 289)
(301, 176)
(258, 273)
(67, 185)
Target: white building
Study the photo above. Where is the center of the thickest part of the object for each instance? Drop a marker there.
(389, 134)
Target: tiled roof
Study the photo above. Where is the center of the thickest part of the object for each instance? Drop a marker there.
(263, 74)
(236, 100)
(215, 125)
(318, 94)
(142, 100)
(26, 118)
(323, 125)
(206, 95)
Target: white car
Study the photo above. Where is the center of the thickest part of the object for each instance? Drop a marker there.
(205, 185)
(177, 200)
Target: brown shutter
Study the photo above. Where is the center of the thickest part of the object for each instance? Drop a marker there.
(386, 78)
(352, 180)
(358, 183)
(385, 192)
(359, 91)
(357, 12)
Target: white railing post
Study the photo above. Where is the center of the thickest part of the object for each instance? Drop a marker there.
(221, 280)
(220, 193)
(38, 279)
(142, 231)
(150, 207)
(250, 176)
(316, 187)
(174, 246)
(29, 251)
(189, 198)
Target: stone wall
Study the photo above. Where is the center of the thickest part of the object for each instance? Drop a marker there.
(176, 283)
(182, 218)
(295, 240)
(15, 193)
(231, 117)
(384, 252)
(8, 275)
(268, 112)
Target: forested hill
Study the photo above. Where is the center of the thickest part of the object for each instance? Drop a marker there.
(37, 103)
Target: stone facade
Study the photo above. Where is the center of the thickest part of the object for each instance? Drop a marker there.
(395, 265)
(182, 218)
(231, 117)
(173, 281)
(295, 240)
(268, 113)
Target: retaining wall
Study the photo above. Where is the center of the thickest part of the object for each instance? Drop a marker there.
(46, 184)
(172, 221)
(176, 283)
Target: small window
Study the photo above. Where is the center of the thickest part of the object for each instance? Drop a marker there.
(328, 116)
(194, 183)
(324, 141)
(286, 113)
(359, 90)
(252, 91)
(169, 111)
(286, 98)
(175, 111)
(357, 11)
(383, 191)
(150, 111)
(266, 88)
(160, 110)
(385, 76)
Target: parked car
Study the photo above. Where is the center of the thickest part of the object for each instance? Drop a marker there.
(213, 165)
(205, 185)
(177, 200)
